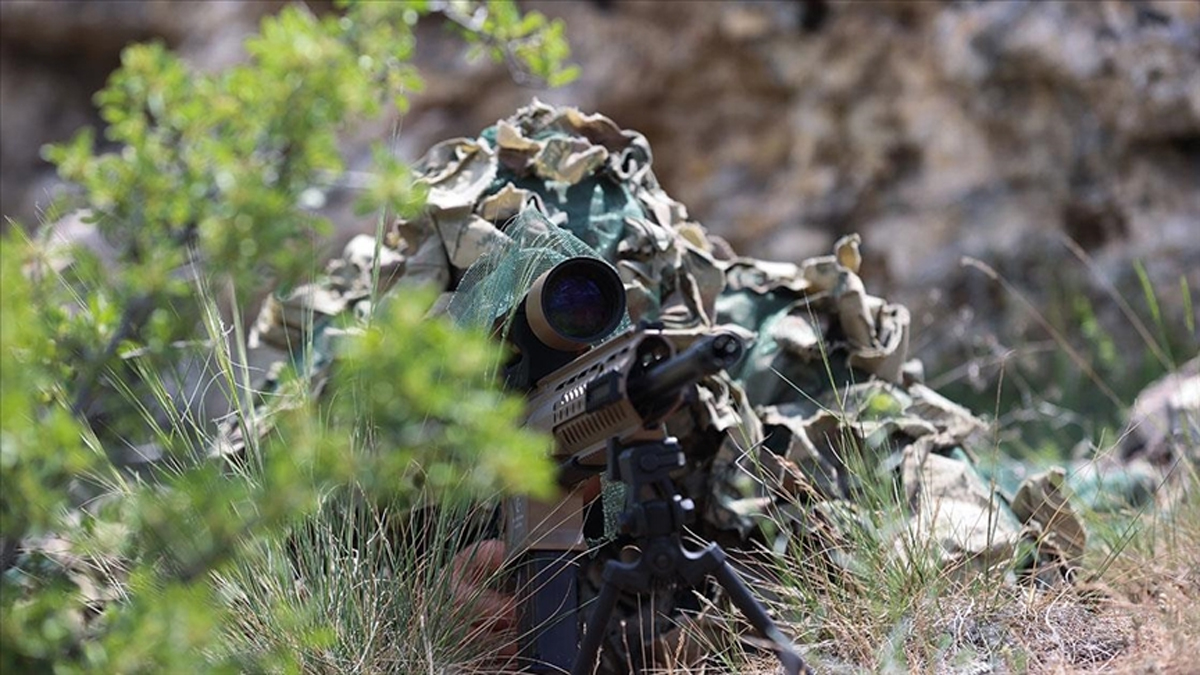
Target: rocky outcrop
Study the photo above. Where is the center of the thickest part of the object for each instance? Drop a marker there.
(55, 55)
(936, 130)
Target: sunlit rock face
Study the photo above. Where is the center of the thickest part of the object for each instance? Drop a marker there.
(936, 130)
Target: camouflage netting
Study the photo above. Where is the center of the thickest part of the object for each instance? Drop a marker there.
(826, 398)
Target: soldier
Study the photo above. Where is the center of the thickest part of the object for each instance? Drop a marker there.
(777, 450)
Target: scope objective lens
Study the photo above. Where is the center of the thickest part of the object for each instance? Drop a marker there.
(577, 303)
(576, 307)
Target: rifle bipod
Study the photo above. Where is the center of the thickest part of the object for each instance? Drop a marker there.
(654, 515)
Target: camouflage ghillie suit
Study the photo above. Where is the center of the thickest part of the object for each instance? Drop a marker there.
(778, 450)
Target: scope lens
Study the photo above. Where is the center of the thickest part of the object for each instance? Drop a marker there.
(576, 307)
(579, 302)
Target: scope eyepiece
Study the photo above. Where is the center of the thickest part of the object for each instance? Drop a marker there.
(579, 302)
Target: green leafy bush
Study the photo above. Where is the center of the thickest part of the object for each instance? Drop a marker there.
(107, 569)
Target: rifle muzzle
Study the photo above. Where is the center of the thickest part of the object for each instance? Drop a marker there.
(707, 356)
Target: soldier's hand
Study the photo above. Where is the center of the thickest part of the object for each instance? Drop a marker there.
(494, 613)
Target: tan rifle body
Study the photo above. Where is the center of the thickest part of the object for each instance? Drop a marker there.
(585, 405)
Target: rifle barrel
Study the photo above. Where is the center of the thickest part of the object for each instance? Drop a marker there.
(706, 356)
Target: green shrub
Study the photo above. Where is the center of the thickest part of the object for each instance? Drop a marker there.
(111, 570)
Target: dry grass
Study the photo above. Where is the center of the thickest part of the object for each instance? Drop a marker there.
(1154, 582)
(1134, 609)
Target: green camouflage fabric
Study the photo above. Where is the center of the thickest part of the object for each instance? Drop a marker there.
(779, 450)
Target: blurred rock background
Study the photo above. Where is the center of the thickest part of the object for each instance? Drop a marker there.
(937, 130)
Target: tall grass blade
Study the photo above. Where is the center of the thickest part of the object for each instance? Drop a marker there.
(1152, 301)
(1077, 358)
(1126, 310)
(1189, 314)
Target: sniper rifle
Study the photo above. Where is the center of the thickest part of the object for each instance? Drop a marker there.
(604, 402)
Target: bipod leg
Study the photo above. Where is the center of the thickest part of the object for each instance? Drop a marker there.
(753, 610)
(597, 626)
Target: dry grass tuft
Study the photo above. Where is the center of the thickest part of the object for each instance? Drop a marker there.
(1136, 609)
(1155, 582)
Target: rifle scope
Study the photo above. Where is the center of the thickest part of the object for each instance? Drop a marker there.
(578, 302)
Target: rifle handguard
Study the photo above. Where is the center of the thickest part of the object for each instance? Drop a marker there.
(621, 388)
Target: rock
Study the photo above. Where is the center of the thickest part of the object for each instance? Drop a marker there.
(55, 55)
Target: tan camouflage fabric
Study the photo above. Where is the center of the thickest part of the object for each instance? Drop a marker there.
(826, 396)
(1164, 424)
